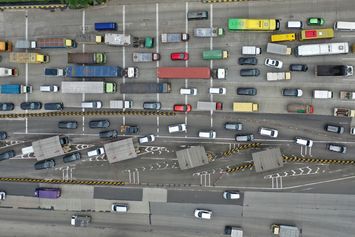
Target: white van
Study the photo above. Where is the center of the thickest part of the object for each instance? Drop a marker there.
(207, 134)
(322, 94)
(294, 25)
(119, 207)
(344, 26)
(49, 88)
(177, 128)
(94, 104)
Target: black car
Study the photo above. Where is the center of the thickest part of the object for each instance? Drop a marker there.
(109, 134)
(31, 105)
(247, 61)
(292, 92)
(246, 91)
(72, 157)
(104, 123)
(249, 72)
(44, 164)
(68, 124)
(6, 106)
(298, 67)
(7, 155)
(197, 15)
(53, 106)
(3, 135)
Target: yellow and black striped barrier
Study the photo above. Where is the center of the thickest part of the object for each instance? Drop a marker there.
(293, 158)
(239, 167)
(222, 1)
(59, 181)
(50, 6)
(90, 113)
(240, 148)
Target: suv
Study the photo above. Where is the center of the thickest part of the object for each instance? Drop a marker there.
(244, 137)
(231, 194)
(247, 61)
(7, 155)
(31, 105)
(233, 126)
(334, 128)
(203, 214)
(336, 148)
(44, 164)
(304, 141)
(292, 92)
(217, 90)
(246, 91)
(152, 105)
(197, 15)
(68, 124)
(72, 157)
(207, 134)
(177, 128)
(273, 63)
(96, 152)
(145, 139)
(249, 72)
(109, 134)
(269, 132)
(104, 123)
(53, 106)
(298, 68)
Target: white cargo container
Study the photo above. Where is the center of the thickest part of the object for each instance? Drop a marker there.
(322, 94)
(278, 76)
(121, 104)
(251, 50)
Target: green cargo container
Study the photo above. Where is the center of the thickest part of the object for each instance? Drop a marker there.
(214, 54)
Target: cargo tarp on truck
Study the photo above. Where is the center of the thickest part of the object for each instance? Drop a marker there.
(142, 88)
(245, 107)
(278, 49)
(209, 106)
(28, 58)
(118, 39)
(184, 72)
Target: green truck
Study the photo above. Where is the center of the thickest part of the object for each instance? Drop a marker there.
(214, 54)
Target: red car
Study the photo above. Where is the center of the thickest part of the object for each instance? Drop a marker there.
(182, 108)
(179, 56)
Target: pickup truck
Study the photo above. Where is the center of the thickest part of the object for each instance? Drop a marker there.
(278, 76)
(8, 72)
(174, 37)
(347, 95)
(129, 129)
(145, 57)
(344, 112)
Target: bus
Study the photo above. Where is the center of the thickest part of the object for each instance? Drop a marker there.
(283, 37)
(326, 33)
(322, 49)
(239, 24)
(344, 26)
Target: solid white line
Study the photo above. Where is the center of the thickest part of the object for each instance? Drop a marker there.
(83, 21)
(211, 62)
(124, 55)
(186, 50)
(157, 46)
(55, 133)
(83, 50)
(26, 69)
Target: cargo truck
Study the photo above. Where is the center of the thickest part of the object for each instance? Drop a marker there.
(145, 57)
(174, 37)
(8, 72)
(87, 58)
(143, 42)
(89, 38)
(94, 87)
(100, 71)
(344, 112)
(300, 108)
(190, 73)
(251, 50)
(208, 32)
(54, 72)
(144, 88)
(278, 49)
(347, 95)
(121, 104)
(334, 70)
(209, 106)
(214, 54)
(45, 43)
(278, 76)
(15, 89)
(233, 231)
(245, 107)
(322, 49)
(322, 94)
(5, 46)
(115, 39)
(28, 58)
(285, 230)
(80, 220)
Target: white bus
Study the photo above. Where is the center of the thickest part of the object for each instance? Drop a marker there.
(344, 26)
(322, 49)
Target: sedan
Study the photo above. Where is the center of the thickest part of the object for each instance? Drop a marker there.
(72, 157)
(249, 72)
(6, 106)
(7, 155)
(182, 108)
(44, 164)
(180, 56)
(203, 214)
(31, 105)
(217, 90)
(68, 124)
(104, 123)
(296, 92)
(315, 21)
(269, 132)
(273, 63)
(246, 91)
(298, 67)
(109, 134)
(247, 61)
(146, 139)
(231, 194)
(336, 148)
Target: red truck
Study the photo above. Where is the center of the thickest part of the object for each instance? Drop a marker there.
(190, 73)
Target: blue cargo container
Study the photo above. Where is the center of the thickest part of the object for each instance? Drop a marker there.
(105, 26)
(94, 71)
(15, 89)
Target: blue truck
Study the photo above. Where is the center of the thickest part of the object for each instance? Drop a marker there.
(100, 71)
(15, 89)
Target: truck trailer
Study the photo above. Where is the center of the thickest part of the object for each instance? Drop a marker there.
(93, 87)
(174, 37)
(278, 49)
(209, 106)
(334, 70)
(144, 88)
(285, 230)
(87, 58)
(28, 58)
(15, 89)
(278, 76)
(190, 73)
(44, 43)
(100, 71)
(245, 107)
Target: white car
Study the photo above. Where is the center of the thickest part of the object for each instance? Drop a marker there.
(203, 214)
(211, 134)
(217, 90)
(177, 128)
(2, 195)
(188, 91)
(268, 132)
(273, 63)
(231, 195)
(352, 131)
(119, 207)
(145, 139)
(304, 141)
(96, 152)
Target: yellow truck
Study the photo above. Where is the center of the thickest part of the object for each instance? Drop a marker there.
(28, 58)
(5, 46)
(245, 107)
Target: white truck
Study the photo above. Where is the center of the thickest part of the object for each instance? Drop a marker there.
(251, 50)
(117, 39)
(278, 49)
(8, 72)
(93, 87)
(174, 37)
(208, 32)
(233, 231)
(209, 106)
(278, 76)
(322, 94)
(121, 104)
(285, 230)
(145, 57)
(80, 220)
